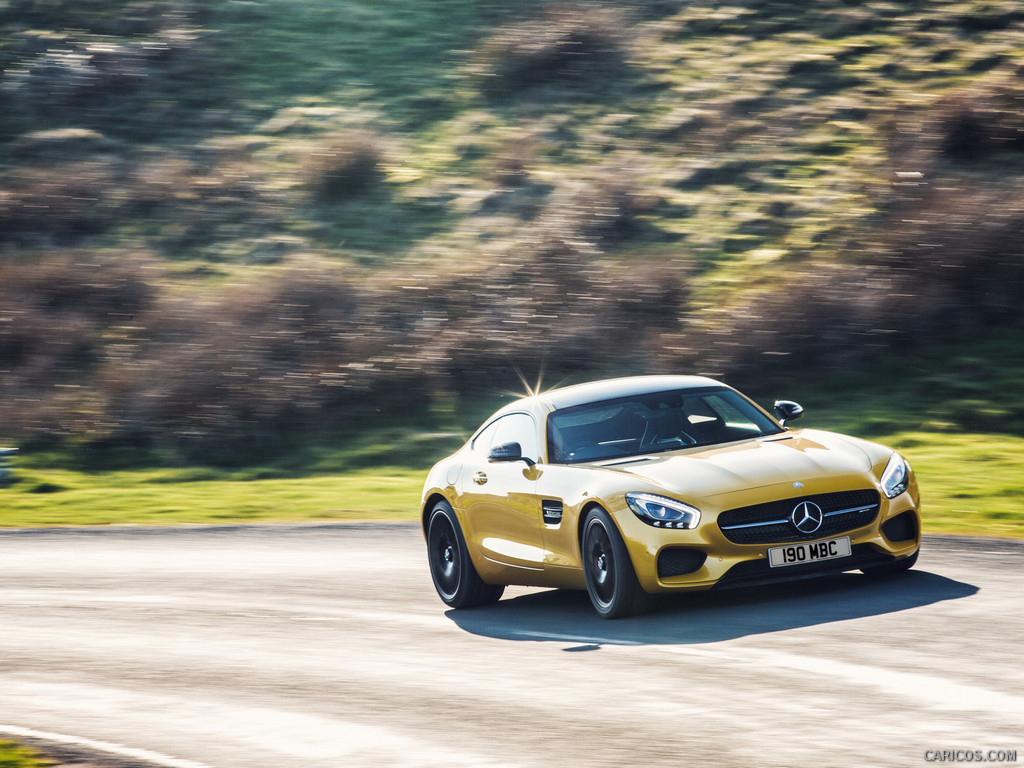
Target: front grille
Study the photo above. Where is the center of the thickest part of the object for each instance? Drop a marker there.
(903, 527)
(769, 523)
(679, 561)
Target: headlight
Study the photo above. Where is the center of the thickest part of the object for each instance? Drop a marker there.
(662, 512)
(896, 477)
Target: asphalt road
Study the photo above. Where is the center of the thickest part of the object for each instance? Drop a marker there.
(325, 646)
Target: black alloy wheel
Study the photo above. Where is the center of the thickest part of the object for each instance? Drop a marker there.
(455, 579)
(611, 579)
(444, 557)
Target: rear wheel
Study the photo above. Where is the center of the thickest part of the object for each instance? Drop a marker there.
(611, 580)
(455, 578)
(897, 566)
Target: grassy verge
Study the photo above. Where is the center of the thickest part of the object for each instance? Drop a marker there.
(14, 755)
(164, 497)
(971, 483)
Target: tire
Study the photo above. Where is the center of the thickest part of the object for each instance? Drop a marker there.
(899, 566)
(455, 579)
(611, 579)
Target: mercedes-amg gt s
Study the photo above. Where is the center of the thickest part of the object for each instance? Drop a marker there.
(653, 484)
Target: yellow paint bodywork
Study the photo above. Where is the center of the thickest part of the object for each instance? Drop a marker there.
(509, 542)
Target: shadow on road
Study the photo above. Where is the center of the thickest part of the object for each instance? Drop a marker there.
(706, 617)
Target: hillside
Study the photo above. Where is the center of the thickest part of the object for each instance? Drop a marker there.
(235, 224)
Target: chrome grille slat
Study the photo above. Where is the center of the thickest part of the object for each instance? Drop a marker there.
(852, 509)
(753, 525)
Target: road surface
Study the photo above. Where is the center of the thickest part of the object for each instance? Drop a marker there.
(326, 646)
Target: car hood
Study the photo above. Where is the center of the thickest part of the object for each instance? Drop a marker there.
(810, 457)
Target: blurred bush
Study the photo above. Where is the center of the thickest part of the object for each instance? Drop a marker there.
(579, 44)
(131, 69)
(970, 125)
(58, 204)
(63, 318)
(91, 351)
(345, 166)
(101, 17)
(944, 265)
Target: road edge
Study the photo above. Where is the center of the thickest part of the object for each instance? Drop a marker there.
(65, 748)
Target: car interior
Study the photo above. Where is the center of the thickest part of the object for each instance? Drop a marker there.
(656, 423)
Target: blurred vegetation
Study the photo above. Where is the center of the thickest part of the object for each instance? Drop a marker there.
(228, 230)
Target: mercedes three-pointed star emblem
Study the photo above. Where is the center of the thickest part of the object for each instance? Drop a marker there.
(807, 517)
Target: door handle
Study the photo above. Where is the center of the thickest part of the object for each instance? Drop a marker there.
(479, 478)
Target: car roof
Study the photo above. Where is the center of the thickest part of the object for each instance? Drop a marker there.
(609, 389)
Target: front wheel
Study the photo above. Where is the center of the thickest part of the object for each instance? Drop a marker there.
(611, 580)
(455, 578)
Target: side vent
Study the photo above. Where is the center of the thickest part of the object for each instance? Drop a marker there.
(552, 509)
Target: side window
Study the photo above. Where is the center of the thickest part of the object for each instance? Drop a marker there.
(518, 428)
(484, 441)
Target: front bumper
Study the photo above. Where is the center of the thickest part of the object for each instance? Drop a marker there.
(753, 572)
(703, 558)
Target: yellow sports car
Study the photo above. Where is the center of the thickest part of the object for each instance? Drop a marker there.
(654, 484)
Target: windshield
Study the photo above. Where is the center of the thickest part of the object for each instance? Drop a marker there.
(653, 422)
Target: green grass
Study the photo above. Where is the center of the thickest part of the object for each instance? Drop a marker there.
(13, 755)
(970, 482)
(375, 474)
(352, 51)
(175, 497)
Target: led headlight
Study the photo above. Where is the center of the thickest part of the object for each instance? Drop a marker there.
(662, 512)
(896, 477)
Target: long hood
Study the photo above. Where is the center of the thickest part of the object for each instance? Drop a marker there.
(809, 457)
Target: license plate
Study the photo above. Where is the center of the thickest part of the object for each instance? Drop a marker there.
(809, 552)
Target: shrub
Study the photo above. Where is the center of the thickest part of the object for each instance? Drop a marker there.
(608, 209)
(93, 352)
(59, 204)
(968, 130)
(553, 306)
(965, 127)
(959, 252)
(125, 69)
(576, 44)
(944, 264)
(101, 17)
(64, 317)
(185, 204)
(77, 79)
(825, 317)
(345, 166)
(239, 366)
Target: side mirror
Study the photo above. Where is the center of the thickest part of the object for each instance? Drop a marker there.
(787, 410)
(509, 452)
